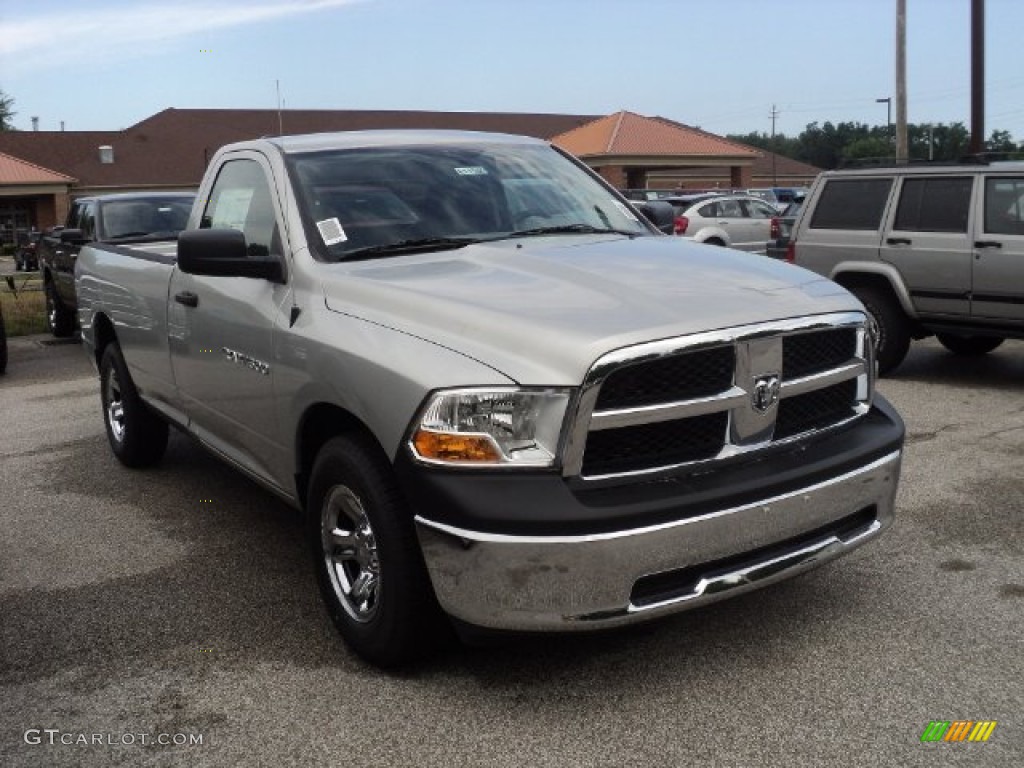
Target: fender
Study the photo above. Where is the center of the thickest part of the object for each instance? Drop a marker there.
(887, 271)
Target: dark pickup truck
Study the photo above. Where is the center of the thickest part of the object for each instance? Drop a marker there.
(114, 219)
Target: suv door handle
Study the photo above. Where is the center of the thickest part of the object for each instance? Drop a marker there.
(187, 298)
(897, 241)
(987, 244)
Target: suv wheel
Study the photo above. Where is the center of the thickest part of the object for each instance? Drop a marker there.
(892, 327)
(367, 557)
(970, 346)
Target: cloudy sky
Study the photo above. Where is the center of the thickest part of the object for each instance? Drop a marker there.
(720, 65)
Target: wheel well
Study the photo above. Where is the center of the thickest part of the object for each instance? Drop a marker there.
(320, 423)
(102, 333)
(851, 281)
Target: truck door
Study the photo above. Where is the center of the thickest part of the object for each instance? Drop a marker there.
(65, 254)
(221, 328)
(998, 277)
(928, 240)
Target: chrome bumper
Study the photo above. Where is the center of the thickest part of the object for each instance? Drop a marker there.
(583, 582)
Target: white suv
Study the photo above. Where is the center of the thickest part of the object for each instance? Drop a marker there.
(928, 249)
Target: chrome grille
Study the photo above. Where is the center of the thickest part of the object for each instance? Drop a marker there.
(657, 407)
(679, 377)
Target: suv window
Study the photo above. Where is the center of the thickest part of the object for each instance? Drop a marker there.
(934, 205)
(1004, 206)
(851, 204)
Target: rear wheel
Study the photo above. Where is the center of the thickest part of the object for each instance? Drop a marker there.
(969, 346)
(892, 328)
(367, 558)
(137, 436)
(58, 319)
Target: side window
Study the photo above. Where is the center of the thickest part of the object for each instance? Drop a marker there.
(851, 204)
(934, 205)
(87, 222)
(74, 216)
(730, 209)
(709, 211)
(1004, 206)
(241, 199)
(758, 210)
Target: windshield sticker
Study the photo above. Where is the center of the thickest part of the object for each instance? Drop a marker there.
(625, 211)
(331, 231)
(473, 170)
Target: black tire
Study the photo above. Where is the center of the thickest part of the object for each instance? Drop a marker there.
(138, 437)
(892, 326)
(969, 346)
(58, 319)
(371, 571)
(3, 345)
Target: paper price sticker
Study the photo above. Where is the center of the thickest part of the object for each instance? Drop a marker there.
(331, 231)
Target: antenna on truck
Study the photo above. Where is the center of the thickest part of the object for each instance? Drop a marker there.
(280, 121)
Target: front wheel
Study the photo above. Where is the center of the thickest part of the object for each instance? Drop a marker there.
(58, 319)
(968, 346)
(892, 329)
(367, 558)
(137, 436)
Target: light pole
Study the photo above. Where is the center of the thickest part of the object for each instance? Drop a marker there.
(888, 115)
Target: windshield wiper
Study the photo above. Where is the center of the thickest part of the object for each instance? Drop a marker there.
(411, 246)
(573, 229)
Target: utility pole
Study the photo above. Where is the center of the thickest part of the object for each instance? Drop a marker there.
(977, 145)
(774, 114)
(901, 81)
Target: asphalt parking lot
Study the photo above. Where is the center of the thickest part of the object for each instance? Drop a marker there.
(179, 602)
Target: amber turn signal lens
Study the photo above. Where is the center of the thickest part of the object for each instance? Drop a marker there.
(443, 446)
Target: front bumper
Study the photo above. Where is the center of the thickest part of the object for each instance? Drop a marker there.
(577, 580)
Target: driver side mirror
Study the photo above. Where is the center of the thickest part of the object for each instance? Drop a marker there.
(223, 253)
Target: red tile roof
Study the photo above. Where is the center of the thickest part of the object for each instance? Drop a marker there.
(172, 147)
(626, 133)
(15, 171)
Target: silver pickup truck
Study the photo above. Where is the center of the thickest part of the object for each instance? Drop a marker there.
(502, 398)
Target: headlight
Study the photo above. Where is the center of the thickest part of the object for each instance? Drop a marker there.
(507, 427)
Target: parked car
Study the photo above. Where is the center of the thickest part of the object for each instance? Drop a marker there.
(119, 218)
(777, 197)
(928, 249)
(646, 194)
(498, 393)
(778, 246)
(735, 221)
(26, 257)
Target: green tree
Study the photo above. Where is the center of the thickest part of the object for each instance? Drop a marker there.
(1001, 141)
(7, 112)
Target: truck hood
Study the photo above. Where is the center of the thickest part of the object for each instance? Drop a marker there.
(542, 310)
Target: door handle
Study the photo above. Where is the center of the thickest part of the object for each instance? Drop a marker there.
(187, 298)
(897, 241)
(987, 244)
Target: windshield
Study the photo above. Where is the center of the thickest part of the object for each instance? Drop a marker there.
(382, 200)
(133, 218)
